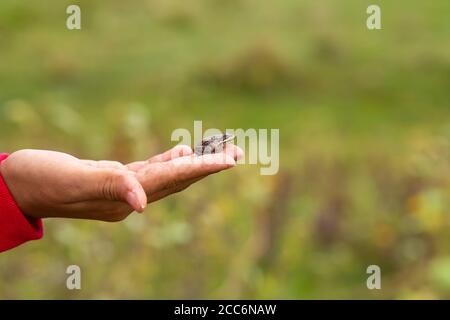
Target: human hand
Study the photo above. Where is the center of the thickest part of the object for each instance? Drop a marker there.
(53, 184)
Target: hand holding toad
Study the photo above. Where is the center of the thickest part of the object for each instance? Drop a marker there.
(53, 184)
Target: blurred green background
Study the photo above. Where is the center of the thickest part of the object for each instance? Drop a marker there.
(364, 119)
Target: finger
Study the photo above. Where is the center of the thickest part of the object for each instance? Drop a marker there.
(166, 192)
(135, 195)
(233, 151)
(207, 163)
(175, 152)
(171, 174)
(117, 185)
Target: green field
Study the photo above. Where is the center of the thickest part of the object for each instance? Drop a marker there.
(364, 119)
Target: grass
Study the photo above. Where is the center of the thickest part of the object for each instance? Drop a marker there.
(364, 124)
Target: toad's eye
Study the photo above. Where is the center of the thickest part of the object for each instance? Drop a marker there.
(206, 142)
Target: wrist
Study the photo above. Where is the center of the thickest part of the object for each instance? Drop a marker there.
(14, 195)
(16, 228)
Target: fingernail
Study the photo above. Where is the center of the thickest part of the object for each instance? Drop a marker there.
(132, 200)
(230, 164)
(230, 161)
(143, 205)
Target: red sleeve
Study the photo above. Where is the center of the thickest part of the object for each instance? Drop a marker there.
(15, 228)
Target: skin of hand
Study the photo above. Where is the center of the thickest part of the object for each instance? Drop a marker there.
(53, 184)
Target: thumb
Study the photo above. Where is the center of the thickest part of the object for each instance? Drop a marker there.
(117, 185)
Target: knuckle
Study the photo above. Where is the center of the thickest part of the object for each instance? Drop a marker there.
(117, 164)
(106, 188)
(183, 150)
(110, 185)
(110, 164)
